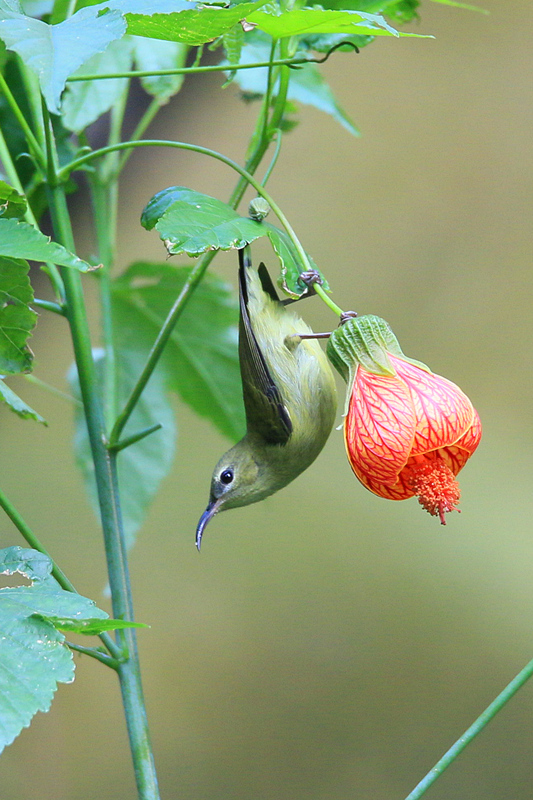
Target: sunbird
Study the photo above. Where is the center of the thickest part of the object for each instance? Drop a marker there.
(289, 394)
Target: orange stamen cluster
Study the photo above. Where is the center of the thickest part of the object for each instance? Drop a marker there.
(435, 486)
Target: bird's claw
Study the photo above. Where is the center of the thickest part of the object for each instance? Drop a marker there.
(346, 315)
(309, 278)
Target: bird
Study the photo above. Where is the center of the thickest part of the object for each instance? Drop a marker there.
(289, 393)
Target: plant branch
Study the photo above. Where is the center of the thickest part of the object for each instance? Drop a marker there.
(137, 73)
(47, 305)
(136, 437)
(93, 652)
(471, 732)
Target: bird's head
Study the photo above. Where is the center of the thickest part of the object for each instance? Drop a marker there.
(241, 477)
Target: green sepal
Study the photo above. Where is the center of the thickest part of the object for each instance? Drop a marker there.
(368, 342)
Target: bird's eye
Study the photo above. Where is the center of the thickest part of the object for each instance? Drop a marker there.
(226, 476)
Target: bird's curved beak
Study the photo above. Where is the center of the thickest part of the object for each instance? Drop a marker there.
(211, 510)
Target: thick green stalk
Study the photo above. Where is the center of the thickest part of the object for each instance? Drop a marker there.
(108, 498)
(476, 727)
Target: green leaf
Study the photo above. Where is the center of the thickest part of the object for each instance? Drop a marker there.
(34, 658)
(306, 84)
(21, 240)
(85, 101)
(28, 562)
(54, 52)
(317, 20)
(18, 405)
(143, 465)
(200, 361)
(191, 222)
(91, 627)
(400, 10)
(17, 319)
(190, 25)
(290, 263)
(12, 204)
(156, 54)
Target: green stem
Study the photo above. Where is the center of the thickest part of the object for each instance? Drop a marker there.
(47, 305)
(52, 389)
(109, 661)
(163, 336)
(33, 96)
(471, 732)
(28, 133)
(272, 164)
(137, 73)
(29, 537)
(110, 513)
(135, 438)
(142, 125)
(327, 299)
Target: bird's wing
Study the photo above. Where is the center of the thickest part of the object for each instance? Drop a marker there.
(266, 413)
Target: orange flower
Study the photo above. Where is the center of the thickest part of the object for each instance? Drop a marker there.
(408, 432)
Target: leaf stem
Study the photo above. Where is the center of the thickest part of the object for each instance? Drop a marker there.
(163, 336)
(29, 537)
(47, 305)
(140, 128)
(52, 389)
(138, 73)
(471, 732)
(28, 133)
(93, 652)
(274, 158)
(327, 299)
(135, 438)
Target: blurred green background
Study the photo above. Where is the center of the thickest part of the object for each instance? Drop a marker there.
(327, 643)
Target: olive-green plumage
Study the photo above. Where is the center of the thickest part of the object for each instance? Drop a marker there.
(289, 397)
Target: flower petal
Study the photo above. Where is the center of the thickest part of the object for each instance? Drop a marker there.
(443, 412)
(379, 428)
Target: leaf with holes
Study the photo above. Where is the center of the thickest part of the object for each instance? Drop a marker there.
(191, 222)
(17, 319)
(33, 658)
